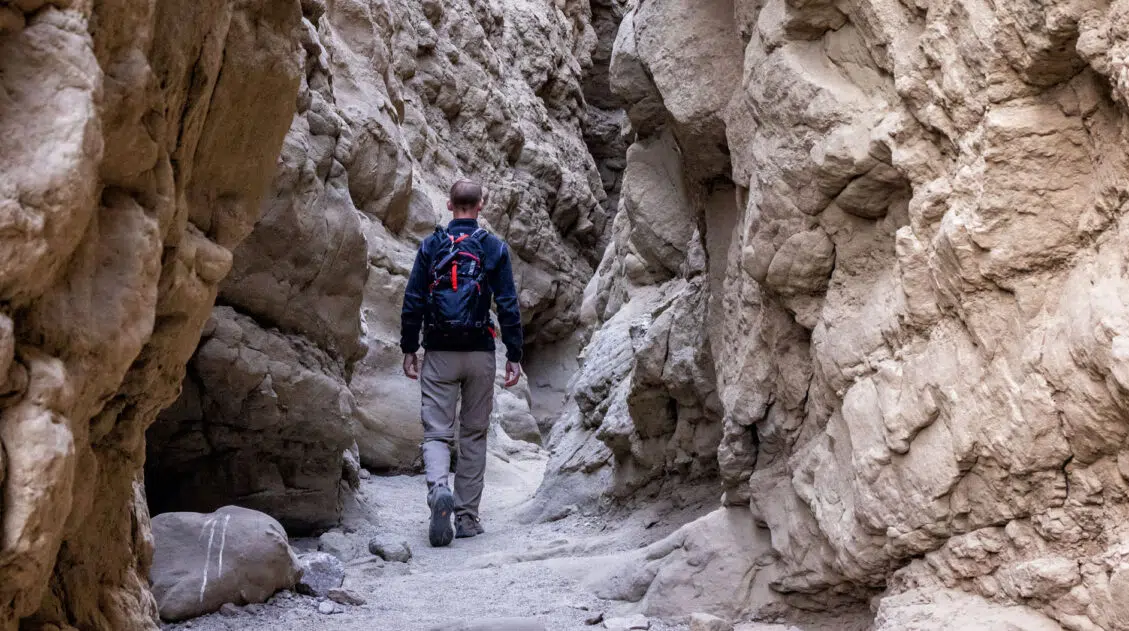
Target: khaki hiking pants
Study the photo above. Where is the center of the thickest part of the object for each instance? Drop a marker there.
(444, 377)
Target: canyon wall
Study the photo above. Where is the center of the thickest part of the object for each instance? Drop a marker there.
(898, 322)
(136, 142)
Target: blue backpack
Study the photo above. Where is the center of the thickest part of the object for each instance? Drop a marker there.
(457, 277)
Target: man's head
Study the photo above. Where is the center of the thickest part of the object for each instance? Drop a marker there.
(466, 199)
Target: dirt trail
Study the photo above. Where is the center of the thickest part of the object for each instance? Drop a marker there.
(481, 577)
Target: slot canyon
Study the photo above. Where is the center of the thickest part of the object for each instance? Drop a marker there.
(823, 307)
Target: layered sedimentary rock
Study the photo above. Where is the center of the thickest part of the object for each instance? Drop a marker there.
(644, 408)
(398, 100)
(136, 141)
(913, 310)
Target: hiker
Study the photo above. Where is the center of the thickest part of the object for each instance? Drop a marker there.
(457, 271)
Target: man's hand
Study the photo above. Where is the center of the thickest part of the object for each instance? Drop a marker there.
(411, 365)
(513, 373)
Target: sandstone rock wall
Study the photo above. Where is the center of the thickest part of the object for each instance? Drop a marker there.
(644, 411)
(136, 141)
(912, 224)
(398, 100)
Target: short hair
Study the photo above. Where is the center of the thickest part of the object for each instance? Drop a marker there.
(466, 194)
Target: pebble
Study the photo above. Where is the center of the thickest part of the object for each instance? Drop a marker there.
(230, 610)
(326, 608)
(706, 622)
(346, 596)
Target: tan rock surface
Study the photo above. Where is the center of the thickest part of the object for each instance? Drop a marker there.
(136, 140)
(915, 327)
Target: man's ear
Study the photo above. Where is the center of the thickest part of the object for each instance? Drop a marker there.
(450, 206)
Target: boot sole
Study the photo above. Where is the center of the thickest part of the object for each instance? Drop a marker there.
(442, 532)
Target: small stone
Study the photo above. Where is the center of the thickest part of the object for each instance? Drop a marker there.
(321, 572)
(629, 623)
(345, 596)
(706, 622)
(339, 545)
(390, 549)
(326, 608)
(594, 620)
(365, 474)
(230, 610)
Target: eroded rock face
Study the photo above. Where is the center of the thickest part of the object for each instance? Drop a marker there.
(263, 419)
(643, 408)
(946, 391)
(136, 141)
(909, 294)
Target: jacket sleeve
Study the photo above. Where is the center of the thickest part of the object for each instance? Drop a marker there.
(415, 300)
(509, 311)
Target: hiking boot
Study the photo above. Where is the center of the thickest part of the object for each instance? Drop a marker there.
(467, 526)
(442, 509)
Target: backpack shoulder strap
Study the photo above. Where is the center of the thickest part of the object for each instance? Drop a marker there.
(479, 235)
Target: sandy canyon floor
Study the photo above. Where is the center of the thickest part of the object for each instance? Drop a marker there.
(514, 570)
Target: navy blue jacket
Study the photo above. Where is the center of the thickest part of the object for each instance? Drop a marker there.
(500, 285)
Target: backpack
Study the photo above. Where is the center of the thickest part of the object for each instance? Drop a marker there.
(457, 275)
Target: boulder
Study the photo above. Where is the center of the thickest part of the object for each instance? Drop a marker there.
(202, 561)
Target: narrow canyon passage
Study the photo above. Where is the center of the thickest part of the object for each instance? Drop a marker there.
(825, 305)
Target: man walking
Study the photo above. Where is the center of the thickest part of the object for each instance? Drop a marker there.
(456, 272)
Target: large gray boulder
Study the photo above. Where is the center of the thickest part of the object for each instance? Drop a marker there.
(201, 561)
